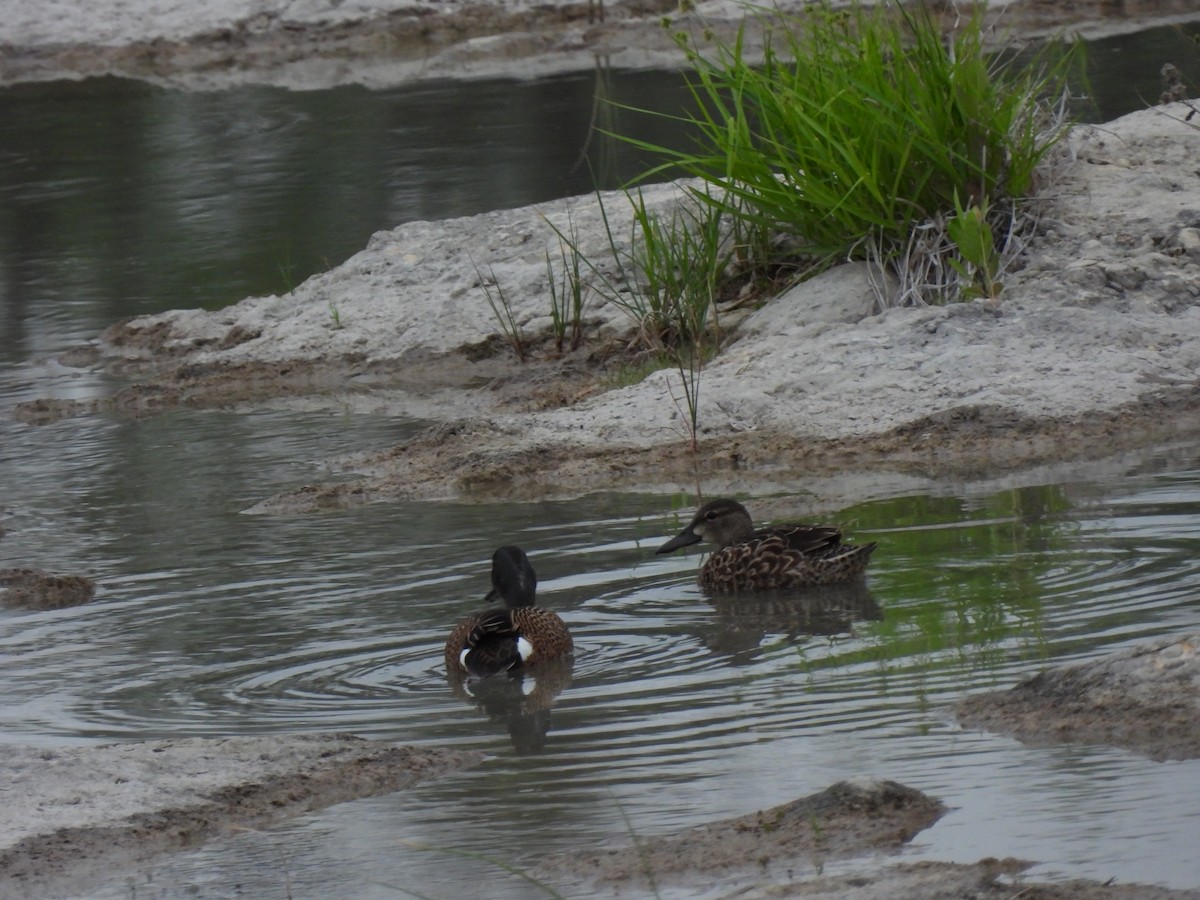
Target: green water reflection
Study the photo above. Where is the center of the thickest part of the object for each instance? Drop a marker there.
(963, 582)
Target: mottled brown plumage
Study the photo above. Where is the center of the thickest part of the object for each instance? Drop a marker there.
(782, 556)
(517, 636)
(36, 589)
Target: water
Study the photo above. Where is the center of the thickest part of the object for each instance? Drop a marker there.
(212, 622)
(679, 711)
(119, 198)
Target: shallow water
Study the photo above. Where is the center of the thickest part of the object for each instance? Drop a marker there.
(679, 711)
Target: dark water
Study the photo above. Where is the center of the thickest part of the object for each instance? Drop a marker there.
(118, 198)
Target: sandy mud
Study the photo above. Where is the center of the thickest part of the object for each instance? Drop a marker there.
(380, 43)
(73, 813)
(846, 819)
(1146, 699)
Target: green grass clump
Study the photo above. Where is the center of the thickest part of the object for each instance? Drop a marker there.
(502, 309)
(861, 133)
(666, 278)
(862, 125)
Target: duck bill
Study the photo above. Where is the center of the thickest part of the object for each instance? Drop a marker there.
(685, 538)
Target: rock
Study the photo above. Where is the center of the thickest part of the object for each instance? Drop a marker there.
(843, 294)
(1145, 699)
(844, 820)
(35, 589)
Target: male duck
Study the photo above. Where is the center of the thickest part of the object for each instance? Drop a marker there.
(521, 634)
(782, 556)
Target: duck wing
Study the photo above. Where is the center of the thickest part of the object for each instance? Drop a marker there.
(806, 539)
(800, 556)
(491, 646)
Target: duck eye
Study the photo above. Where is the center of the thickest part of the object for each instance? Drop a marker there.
(711, 514)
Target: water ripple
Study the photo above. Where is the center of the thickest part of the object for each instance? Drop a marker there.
(337, 623)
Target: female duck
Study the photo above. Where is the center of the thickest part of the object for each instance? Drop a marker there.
(519, 635)
(782, 556)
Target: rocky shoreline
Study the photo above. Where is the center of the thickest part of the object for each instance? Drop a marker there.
(381, 43)
(1093, 350)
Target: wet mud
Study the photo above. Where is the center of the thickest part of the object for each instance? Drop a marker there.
(73, 813)
(1146, 699)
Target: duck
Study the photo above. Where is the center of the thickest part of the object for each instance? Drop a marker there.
(519, 635)
(780, 556)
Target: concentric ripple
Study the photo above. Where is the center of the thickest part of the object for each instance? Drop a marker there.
(341, 627)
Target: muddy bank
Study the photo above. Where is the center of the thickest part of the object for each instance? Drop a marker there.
(1146, 699)
(846, 819)
(72, 813)
(1093, 349)
(786, 851)
(389, 42)
(485, 460)
(988, 879)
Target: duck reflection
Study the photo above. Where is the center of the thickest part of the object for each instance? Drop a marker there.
(521, 699)
(744, 619)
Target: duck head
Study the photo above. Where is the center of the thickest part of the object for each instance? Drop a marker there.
(720, 522)
(513, 578)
